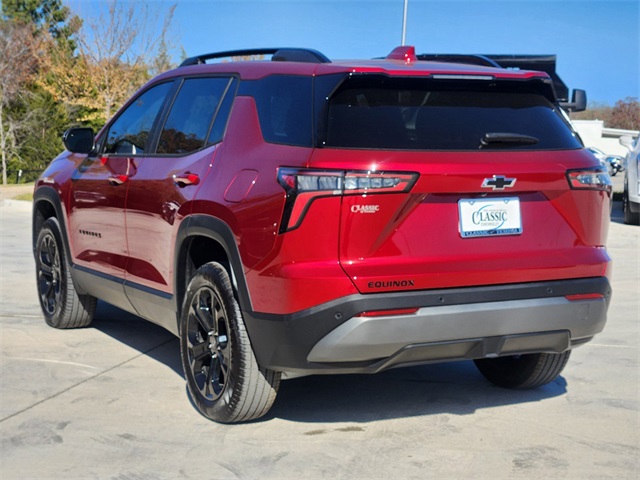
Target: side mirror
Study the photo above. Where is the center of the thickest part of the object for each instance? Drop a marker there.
(578, 101)
(626, 141)
(79, 140)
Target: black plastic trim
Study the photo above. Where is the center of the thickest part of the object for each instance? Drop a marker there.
(283, 342)
(215, 229)
(50, 195)
(151, 304)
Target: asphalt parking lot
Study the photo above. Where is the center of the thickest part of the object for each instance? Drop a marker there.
(109, 402)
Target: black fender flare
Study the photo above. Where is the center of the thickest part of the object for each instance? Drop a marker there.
(217, 230)
(49, 195)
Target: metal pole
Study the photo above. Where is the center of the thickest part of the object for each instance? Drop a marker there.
(404, 22)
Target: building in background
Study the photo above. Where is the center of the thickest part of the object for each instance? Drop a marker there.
(595, 134)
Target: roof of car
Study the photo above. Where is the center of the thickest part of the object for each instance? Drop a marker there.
(402, 62)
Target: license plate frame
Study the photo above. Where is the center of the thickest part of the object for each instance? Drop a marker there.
(489, 217)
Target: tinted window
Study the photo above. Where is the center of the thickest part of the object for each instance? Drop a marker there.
(379, 112)
(129, 133)
(284, 108)
(191, 114)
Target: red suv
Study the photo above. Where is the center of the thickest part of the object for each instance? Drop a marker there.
(301, 216)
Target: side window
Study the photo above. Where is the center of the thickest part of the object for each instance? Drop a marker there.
(191, 114)
(284, 108)
(129, 133)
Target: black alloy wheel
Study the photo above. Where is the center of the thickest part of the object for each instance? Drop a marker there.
(223, 377)
(62, 305)
(49, 274)
(208, 343)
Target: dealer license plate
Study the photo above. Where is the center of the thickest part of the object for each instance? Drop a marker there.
(484, 217)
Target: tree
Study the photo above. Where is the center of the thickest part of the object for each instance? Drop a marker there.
(626, 114)
(30, 120)
(18, 63)
(118, 47)
(117, 50)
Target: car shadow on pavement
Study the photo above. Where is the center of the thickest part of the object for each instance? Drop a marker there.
(455, 388)
(616, 213)
(146, 337)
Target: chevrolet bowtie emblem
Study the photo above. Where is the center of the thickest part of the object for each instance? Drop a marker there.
(498, 182)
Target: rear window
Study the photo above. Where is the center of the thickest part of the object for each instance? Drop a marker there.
(421, 114)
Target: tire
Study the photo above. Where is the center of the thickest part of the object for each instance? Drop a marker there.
(629, 217)
(223, 377)
(61, 305)
(523, 371)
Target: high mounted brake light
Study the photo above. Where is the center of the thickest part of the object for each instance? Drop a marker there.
(303, 186)
(590, 179)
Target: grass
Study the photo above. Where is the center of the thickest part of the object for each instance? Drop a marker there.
(24, 196)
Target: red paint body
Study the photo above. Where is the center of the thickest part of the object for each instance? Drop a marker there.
(128, 228)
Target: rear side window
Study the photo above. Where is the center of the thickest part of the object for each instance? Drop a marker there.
(284, 105)
(191, 115)
(129, 133)
(421, 114)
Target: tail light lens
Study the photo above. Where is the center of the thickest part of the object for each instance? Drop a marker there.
(590, 179)
(302, 187)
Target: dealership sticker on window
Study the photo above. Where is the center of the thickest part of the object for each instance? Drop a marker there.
(483, 217)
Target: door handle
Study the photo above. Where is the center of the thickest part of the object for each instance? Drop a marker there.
(118, 180)
(186, 179)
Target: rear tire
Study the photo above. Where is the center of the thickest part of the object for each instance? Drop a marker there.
(630, 218)
(223, 377)
(523, 371)
(61, 305)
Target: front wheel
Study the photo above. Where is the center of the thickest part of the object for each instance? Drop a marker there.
(523, 371)
(223, 376)
(62, 305)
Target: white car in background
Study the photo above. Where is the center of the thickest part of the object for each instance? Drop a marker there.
(631, 197)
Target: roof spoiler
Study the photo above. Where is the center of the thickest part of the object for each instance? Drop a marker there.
(543, 63)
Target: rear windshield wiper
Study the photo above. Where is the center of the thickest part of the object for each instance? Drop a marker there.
(499, 139)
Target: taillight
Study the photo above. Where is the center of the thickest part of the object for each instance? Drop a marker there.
(590, 179)
(302, 187)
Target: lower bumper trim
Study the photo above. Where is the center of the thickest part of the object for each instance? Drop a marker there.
(369, 338)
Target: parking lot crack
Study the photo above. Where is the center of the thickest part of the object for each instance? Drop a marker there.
(88, 379)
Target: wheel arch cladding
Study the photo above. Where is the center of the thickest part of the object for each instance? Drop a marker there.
(47, 204)
(202, 239)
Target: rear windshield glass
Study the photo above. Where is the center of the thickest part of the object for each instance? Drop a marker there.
(420, 114)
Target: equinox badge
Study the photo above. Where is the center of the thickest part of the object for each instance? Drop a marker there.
(498, 182)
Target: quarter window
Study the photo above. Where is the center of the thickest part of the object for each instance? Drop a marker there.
(189, 121)
(129, 133)
(284, 105)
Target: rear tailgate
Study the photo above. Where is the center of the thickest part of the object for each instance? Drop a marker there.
(471, 218)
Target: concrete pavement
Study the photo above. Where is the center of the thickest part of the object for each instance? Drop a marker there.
(109, 402)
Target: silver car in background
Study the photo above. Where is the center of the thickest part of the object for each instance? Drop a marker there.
(630, 196)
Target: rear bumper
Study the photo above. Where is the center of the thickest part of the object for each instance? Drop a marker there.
(451, 324)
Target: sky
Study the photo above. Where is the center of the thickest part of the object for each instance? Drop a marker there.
(597, 42)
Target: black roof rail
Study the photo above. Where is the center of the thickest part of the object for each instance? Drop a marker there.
(306, 55)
